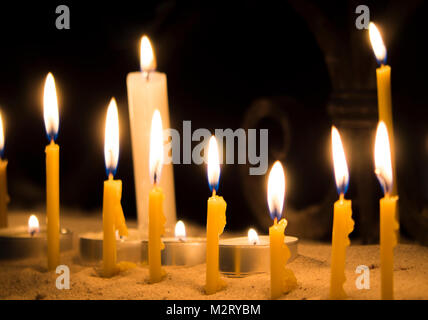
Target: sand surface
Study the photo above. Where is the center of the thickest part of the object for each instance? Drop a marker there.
(28, 279)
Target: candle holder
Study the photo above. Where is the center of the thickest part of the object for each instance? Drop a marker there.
(239, 258)
(134, 248)
(18, 243)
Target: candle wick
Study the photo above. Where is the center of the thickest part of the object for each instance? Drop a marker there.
(110, 176)
(275, 221)
(146, 75)
(214, 193)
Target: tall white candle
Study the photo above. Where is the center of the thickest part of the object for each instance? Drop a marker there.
(147, 91)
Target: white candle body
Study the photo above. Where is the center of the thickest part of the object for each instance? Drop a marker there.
(144, 96)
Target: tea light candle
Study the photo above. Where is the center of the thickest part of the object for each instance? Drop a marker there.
(30, 241)
(181, 250)
(243, 256)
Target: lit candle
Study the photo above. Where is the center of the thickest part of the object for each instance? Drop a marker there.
(4, 198)
(383, 76)
(147, 91)
(51, 117)
(388, 205)
(156, 198)
(33, 225)
(342, 219)
(282, 279)
(216, 221)
(113, 218)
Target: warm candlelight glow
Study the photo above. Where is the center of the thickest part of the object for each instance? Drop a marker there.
(111, 138)
(50, 107)
(213, 164)
(1, 135)
(33, 225)
(383, 166)
(276, 190)
(156, 147)
(339, 160)
(253, 237)
(377, 43)
(180, 230)
(147, 56)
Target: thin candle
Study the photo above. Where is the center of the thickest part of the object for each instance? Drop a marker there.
(4, 197)
(156, 198)
(342, 219)
(113, 217)
(282, 279)
(383, 78)
(216, 221)
(388, 207)
(51, 117)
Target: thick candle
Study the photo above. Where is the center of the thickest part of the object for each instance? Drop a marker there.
(282, 279)
(113, 217)
(216, 221)
(342, 220)
(147, 91)
(156, 199)
(383, 79)
(51, 117)
(388, 205)
(4, 198)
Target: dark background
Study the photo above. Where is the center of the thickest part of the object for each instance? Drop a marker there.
(221, 59)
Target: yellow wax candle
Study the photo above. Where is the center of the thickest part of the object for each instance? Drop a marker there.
(343, 224)
(383, 78)
(156, 198)
(388, 205)
(113, 217)
(147, 91)
(216, 221)
(4, 198)
(282, 279)
(51, 117)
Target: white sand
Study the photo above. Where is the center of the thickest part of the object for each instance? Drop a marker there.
(28, 279)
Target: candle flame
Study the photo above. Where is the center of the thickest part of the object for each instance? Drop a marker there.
(50, 107)
(111, 138)
(33, 225)
(377, 43)
(339, 161)
(147, 56)
(213, 164)
(1, 136)
(156, 147)
(180, 230)
(276, 190)
(253, 237)
(383, 165)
